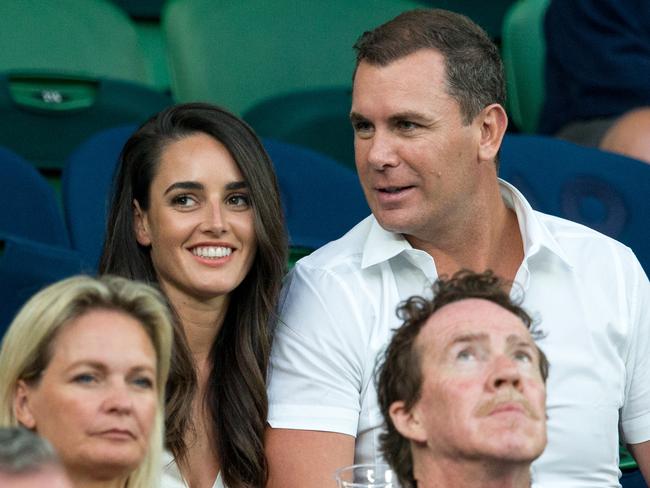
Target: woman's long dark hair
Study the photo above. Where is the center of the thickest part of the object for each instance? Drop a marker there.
(236, 390)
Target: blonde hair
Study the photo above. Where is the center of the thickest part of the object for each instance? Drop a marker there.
(27, 345)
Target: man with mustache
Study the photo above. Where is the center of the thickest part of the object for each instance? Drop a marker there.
(462, 388)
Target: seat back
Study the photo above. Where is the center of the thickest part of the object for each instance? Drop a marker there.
(28, 206)
(523, 50)
(92, 38)
(69, 68)
(236, 54)
(317, 119)
(322, 198)
(27, 266)
(490, 18)
(602, 190)
(86, 186)
(46, 132)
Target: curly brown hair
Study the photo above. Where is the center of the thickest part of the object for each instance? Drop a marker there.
(398, 374)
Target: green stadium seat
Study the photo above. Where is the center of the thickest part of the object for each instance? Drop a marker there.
(317, 119)
(236, 54)
(88, 38)
(44, 119)
(68, 68)
(487, 15)
(141, 9)
(523, 49)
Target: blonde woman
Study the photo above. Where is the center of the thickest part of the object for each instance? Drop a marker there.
(84, 365)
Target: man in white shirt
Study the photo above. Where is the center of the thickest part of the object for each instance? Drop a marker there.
(427, 111)
(461, 388)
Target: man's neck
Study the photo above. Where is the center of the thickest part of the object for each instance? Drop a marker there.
(488, 238)
(472, 474)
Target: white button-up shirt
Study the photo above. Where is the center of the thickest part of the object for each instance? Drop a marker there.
(588, 292)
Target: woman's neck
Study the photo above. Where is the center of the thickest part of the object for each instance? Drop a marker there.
(82, 480)
(201, 320)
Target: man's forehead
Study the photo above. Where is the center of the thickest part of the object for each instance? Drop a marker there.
(416, 82)
(417, 57)
(472, 319)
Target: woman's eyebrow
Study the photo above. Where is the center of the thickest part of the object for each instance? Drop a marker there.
(236, 185)
(184, 185)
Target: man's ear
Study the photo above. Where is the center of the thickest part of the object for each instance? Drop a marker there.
(407, 423)
(493, 123)
(141, 225)
(22, 406)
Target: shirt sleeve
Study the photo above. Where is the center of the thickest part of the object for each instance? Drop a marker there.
(635, 415)
(318, 362)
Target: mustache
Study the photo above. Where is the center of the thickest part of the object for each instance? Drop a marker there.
(509, 396)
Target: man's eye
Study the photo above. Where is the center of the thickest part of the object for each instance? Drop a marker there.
(523, 356)
(407, 125)
(362, 126)
(466, 355)
(185, 201)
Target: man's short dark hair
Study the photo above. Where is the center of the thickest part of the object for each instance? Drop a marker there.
(473, 65)
(22, 451)
(399, 374)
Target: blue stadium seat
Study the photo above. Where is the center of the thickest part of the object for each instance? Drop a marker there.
(28, 206)
(322, 198)
(34, 244)
(26, 267)
(633, 479)
(602, 190)
(86, 183)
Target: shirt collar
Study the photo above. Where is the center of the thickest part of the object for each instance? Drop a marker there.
(382, 245)
(535, 235)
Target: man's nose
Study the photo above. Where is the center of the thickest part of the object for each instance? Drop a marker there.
(382, 151)
(505, 372)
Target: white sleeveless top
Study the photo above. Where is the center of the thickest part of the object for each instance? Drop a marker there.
(171, 475)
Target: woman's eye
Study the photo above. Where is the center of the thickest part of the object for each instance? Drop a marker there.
(239, 200)
(185, 201)
(84, 378)
(143, 382)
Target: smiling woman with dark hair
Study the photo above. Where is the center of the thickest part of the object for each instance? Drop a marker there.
(196, 210)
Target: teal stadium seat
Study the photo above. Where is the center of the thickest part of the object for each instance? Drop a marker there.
(317, 119)
(68, 69)
(237, 54)
(88, 38)
(523, 49)
(488, 15)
